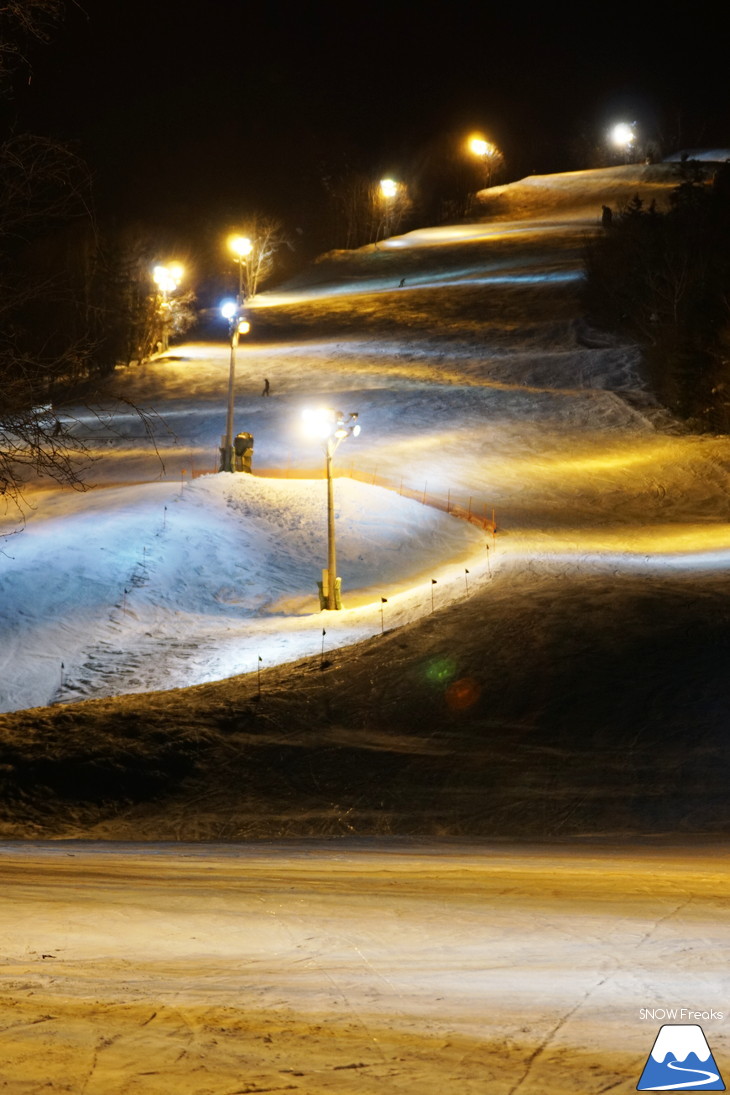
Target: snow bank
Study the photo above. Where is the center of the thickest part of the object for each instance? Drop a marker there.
(156, 586)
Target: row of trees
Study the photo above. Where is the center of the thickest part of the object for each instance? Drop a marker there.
(663, 279)
(362, 210)
(75, 296)
(444, 177)
(44, 201)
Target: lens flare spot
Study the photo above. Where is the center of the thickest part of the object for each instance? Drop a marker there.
(441, 670)
(463, 694)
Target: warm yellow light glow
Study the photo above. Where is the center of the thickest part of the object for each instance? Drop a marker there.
(479, 147)
(695, 543)
(167, 278)
(240, 245)
(388, 188)
(589, 464)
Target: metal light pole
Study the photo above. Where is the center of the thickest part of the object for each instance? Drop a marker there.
(331, 593)
(487, 153)
(227, 454)
(237, 326)
(388, 194)
(167, 279)
(333, 427)
(241, 246)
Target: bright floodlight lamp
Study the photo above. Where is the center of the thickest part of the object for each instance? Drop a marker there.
(240, 245)
(321, 422)
(332, 427)
(623, 134)
(487, 153)
(162, 279)
(347, 425)
(228, 309)
(390, 191)
(167, 279)
(479, 146)
(623, 137)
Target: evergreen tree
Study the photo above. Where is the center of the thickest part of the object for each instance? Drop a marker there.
(664, 280)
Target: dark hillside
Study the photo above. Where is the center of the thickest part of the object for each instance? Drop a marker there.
(603, 728)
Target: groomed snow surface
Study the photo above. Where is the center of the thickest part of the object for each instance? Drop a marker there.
(355, 969)
(155, 586)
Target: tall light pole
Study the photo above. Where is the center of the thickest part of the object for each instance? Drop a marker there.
(232, 311)
(166, 278)
(487, 152)
(237, 326)
(241, 247)
(388, 193)
(332, 427)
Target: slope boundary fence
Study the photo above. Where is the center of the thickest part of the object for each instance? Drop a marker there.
(457, 503)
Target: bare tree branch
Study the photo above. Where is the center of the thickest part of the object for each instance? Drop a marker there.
(21, 22)
(267, 236)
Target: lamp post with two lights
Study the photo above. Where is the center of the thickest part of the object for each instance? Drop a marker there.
(333, 427)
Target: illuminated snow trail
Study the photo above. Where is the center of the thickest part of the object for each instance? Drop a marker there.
(520, 411)
(431, 966)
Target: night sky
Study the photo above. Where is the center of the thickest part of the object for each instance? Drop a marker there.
(191, 112)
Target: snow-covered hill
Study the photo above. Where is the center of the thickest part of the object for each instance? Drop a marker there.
(598, 613)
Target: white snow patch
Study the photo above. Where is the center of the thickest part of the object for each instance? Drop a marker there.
(153, 586)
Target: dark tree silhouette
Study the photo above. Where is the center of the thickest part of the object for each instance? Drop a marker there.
(55, 296)
(664, 280)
